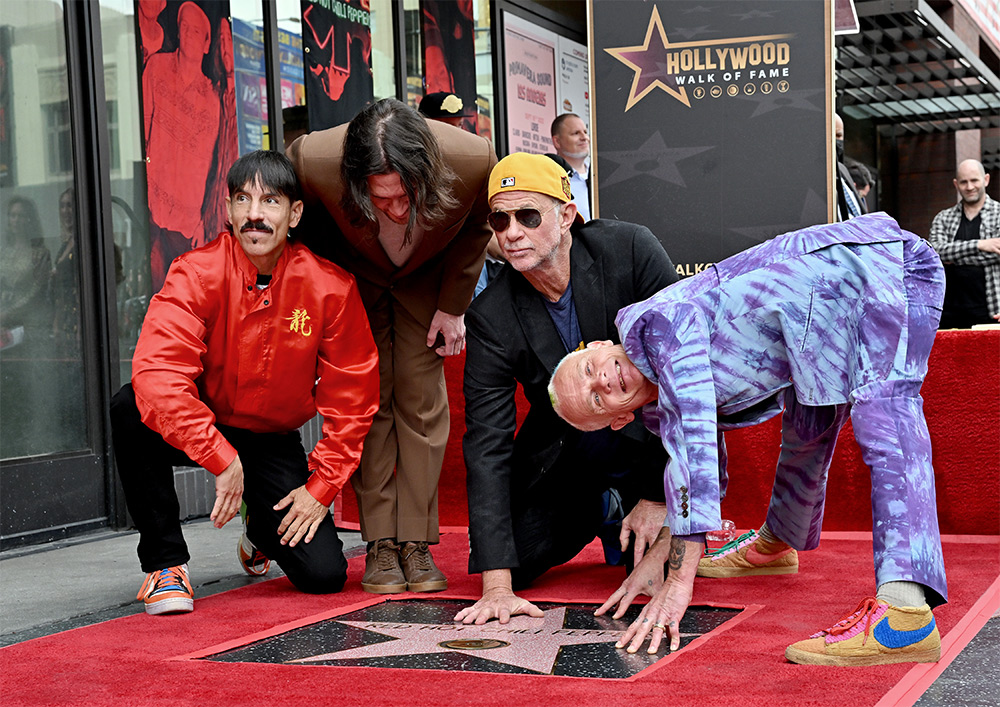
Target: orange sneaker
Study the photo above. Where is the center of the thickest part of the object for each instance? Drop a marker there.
(167, 591)
(875, 633)
(742, 558)
(253, 561)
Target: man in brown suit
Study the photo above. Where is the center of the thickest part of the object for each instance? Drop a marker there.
(408, 203)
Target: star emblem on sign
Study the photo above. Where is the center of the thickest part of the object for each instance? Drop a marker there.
(649, 61)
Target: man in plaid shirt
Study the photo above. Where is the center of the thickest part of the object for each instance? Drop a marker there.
(967, 237)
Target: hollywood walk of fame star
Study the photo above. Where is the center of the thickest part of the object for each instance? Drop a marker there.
(524, 642)
(649, 60)
(654, 150)
(418, 634)
(801, 100)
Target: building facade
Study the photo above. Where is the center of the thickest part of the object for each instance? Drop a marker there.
(77, 170)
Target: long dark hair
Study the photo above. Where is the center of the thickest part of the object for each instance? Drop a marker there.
(390, 137)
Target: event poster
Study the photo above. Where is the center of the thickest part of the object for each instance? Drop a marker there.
(450, 52)
(337, 46)
(189, 123)
(713, 121)
(251, 80)
(574, 79)
(529, 58)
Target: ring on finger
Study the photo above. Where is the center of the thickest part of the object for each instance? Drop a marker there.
(660, 626)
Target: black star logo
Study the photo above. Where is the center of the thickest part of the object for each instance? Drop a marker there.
(812, 206)
(655, 153)
(768, 101)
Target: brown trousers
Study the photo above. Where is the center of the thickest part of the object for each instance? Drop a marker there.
(408, 433)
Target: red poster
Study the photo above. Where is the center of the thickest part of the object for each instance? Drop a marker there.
(189, 123)
(337, 47)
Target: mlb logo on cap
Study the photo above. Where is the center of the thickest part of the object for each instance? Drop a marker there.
(506, 182)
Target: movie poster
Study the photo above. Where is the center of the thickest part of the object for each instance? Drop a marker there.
(529, 60)
(337, 45)
(450, 52)
(189, 123)
(713, 121)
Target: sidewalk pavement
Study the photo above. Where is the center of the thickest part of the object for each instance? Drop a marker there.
(74, 583)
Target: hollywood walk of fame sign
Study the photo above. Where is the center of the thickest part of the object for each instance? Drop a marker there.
(420, 634)
(712, 120)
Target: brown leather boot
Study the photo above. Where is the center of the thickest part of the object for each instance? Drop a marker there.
(383, 574)
(422, 575)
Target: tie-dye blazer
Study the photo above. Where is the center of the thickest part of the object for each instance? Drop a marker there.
(822, 310)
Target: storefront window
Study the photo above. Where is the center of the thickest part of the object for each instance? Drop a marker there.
(41, 360)
(484, 70)
(129, 213)
(383, 53)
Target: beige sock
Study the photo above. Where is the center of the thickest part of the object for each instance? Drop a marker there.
(769, 543)
(902, 593)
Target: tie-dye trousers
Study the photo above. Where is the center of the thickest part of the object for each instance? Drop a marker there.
(890, 428)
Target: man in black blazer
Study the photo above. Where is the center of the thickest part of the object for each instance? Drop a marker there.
(537, 498)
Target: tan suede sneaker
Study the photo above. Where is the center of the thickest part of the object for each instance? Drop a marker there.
(743, 558)
(422, 575)
(383, 575)
(875, 633)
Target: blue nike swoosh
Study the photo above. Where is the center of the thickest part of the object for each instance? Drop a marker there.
(891, 638)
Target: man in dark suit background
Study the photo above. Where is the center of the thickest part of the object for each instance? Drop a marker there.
(535, 500)
(849, 202)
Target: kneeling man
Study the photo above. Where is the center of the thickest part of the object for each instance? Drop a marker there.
(828, 322)
(537, 497)
(250, 336)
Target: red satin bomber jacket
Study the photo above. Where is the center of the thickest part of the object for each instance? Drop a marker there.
(213, 347)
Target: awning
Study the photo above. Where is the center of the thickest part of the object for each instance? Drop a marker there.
(908, 71)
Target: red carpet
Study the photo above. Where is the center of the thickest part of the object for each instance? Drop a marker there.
(962, 405)
(135, 660)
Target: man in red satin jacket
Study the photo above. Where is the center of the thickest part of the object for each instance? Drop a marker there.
(249, 338)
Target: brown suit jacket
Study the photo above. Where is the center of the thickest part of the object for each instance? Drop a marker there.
(442, 272)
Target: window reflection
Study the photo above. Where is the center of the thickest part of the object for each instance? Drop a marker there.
(42, 394)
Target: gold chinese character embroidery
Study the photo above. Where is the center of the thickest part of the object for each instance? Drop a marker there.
(299, 322)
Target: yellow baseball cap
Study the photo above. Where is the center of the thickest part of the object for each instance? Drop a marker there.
(523, 171)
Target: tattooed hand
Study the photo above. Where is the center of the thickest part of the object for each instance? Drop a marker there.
(646, 578)
(662, 615)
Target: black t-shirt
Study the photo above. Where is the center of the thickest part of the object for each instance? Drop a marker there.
(965, 285)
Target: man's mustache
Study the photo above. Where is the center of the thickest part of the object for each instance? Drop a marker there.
(256, 226)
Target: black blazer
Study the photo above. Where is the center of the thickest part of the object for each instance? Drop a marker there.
(511, 339)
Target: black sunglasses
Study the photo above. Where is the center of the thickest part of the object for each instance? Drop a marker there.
(528, 217)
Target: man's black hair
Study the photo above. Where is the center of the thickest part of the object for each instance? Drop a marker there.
(269, 169)
(860, 174)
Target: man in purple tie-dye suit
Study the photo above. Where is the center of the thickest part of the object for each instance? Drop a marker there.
(828, 322)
